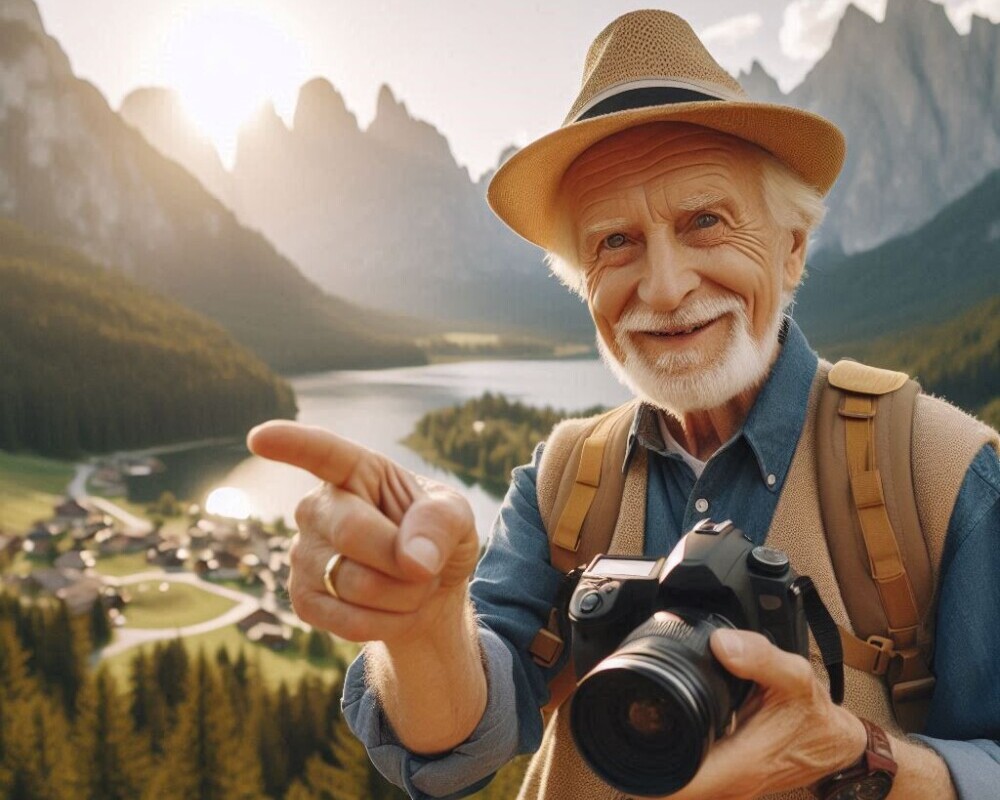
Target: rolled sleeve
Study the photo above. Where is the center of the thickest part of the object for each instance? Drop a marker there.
(463, 770)
(974, 765)
(512, 591)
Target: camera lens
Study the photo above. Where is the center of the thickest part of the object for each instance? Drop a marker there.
(645, 717)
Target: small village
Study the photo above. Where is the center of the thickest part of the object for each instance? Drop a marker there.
(172, 544)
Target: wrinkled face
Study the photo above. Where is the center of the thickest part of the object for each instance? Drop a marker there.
(685, 268)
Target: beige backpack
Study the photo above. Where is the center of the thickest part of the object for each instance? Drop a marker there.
(881, 558)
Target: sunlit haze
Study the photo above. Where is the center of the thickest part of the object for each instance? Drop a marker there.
(226, 61)
(229, 502)
(487, 74)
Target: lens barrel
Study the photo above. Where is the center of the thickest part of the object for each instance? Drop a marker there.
(645, 717)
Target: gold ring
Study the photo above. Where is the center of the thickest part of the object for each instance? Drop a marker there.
(330, 573)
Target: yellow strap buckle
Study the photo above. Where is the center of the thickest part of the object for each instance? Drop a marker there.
(887, 649)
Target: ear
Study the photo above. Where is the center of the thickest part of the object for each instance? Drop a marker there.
(795, 260)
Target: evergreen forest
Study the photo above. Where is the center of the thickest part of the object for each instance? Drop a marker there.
(484, 438)
(92, 362)
(181, 726)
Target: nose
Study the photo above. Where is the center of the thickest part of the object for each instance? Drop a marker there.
(669, 275)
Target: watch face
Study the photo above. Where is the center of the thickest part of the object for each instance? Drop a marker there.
(871, 787)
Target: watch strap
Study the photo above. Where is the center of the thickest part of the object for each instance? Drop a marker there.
(876, 768)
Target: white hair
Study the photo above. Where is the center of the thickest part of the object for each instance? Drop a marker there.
(793, 204)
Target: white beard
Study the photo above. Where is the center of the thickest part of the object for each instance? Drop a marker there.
(693, 379)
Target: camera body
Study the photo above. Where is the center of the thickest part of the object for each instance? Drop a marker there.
(653, 698)
(715, 568)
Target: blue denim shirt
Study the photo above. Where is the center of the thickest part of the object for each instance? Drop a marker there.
(514, 587)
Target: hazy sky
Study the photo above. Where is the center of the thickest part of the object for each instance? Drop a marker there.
(486, 74)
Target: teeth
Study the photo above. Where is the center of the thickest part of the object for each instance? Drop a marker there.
(680, 332)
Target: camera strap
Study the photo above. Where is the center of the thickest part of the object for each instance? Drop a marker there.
(825, 632)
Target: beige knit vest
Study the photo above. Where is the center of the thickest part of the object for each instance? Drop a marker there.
(945, 441)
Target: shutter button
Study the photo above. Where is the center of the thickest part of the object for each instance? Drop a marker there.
(590, 602)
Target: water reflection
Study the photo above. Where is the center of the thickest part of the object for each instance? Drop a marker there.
(379, 408)
(227, 501)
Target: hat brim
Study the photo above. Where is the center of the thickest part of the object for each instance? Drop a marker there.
(523, 192)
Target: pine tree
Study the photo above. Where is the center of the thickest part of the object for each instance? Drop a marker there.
(272, 751)
(147, 706)
(207, 755)
(100, 625)
(113, 762)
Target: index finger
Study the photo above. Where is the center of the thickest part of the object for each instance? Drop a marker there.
(326, 455)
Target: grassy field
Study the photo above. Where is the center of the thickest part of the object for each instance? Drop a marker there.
(124, 564)
(272, 667)
(29, 487)
(175, 607)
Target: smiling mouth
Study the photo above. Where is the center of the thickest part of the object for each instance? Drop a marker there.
(673, 332)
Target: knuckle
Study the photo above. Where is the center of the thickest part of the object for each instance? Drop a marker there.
(349, 531)
(801, 672)
(350, 626)
(358, 581)
(296, 555)
(305, 513)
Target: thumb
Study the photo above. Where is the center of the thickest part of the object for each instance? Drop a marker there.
(751, 656)
(434, 538)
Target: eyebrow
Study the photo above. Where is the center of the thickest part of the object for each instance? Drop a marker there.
(699, 201)
(604, 225)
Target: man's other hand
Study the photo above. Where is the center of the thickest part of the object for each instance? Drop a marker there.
(408, 543)
(790, 733)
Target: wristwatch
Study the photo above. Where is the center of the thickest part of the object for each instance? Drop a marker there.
(868, 778)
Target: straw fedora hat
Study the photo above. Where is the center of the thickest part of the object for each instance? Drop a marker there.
(649, 66)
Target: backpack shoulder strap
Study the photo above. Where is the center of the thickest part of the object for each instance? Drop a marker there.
(873, 530)
(580, 483)
(579, 488)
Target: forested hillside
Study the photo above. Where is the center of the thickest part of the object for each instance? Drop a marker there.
(484, 438)
(926, 277)
(958, 359)
(91, 362)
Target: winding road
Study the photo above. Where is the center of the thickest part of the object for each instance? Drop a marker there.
(126, 637)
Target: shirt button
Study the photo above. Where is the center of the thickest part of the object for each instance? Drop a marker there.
(771, 480)
(701, 504)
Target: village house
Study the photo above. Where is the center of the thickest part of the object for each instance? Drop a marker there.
(41, 541)
(218, 565)
(169, 555)
(261, 615)
(80, 560)
(277, 637)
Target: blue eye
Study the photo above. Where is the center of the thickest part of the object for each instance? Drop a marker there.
(615, 240)
(705, 220)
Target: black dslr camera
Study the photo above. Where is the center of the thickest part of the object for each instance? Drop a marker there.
(653, 698)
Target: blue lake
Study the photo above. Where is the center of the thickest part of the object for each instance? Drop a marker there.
(379, 408)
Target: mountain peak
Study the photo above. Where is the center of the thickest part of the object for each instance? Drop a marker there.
(24, 11)
(160, 98)
(266, 119)
(320, 109)
(387, 106)
(856, 19)
(759, 84)
(505, 154)
(917, 15)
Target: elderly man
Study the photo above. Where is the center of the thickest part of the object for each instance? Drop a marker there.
(681, 211)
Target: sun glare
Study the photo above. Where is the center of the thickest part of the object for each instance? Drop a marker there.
(226, 59)
(229, 502)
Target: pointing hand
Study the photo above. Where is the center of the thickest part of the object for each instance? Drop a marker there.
(408, 543)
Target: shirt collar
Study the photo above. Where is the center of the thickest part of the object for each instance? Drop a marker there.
(772, 427)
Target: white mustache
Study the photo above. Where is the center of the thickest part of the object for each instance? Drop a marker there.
(698, 312)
